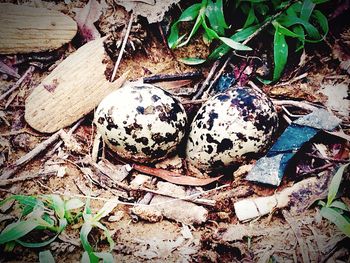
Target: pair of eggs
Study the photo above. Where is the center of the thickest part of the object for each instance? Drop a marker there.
(144, 123)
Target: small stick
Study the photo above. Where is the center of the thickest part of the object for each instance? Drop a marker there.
(18, 83)
(121, 51)
(20, 179)
(70, 132)
(300, 104)
(207, 80)
(13, 168)
(172, 77)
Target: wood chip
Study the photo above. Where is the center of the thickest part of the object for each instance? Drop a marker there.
(27, 29)
(80, 85)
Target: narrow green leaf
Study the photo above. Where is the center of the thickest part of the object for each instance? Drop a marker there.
(280, 53)
(72, 204)
(62, 226)
(299, 30)
(17, 230)
(210, 32)
(105, 256)
(57, 205)
(46, 257)
(322, 20)
(289, 21)
(285, 31)
(336, 219)
(192, 61)
(193, 31)
(335, 183)
(189, 14)
(251, 18)
(234, 44)
(319, 1)
(84, 232)
(340, 205)
(214, 12)
(306, 9)
(239, 36)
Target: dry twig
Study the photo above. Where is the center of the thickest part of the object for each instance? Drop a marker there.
(18, 83)
(122, 48)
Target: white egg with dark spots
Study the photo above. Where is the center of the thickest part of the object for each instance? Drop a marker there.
(142, 123)
(230, 128)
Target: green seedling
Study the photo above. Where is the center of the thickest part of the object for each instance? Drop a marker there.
(334, 210)
(48, 212)
(210, 16)
(91, 221)
(300, 22)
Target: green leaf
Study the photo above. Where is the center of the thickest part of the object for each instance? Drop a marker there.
(306, 9)
(215, 14)
(335, 183)
(285, 31)
(57, 205)
(193, 31)
(311, 30)
(337, 219)
(105, 256)
(251, 18)
(239, 36)
(17, 230)
(280, 54)
(84, 233)
(234, 44)
(73, 204)
(46, 257)
(299, 30)
(340, 205)
(192, 61)
(322, 20)
(63, 224)
(188, 14)
(211, 34)
(319, 1)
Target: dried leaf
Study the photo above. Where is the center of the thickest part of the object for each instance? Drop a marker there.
(173, 177)
(87, 16)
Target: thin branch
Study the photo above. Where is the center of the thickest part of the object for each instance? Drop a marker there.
(17, 165)
(121, 51)
(18, 83)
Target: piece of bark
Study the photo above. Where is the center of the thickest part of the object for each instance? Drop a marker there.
(73, 89)
(179, 210)
(250, 208)
(27, 29)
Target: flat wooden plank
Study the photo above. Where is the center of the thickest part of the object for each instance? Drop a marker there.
(73, 89)
(27, 29)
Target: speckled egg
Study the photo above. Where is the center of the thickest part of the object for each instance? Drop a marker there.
(230, 128)
(142, 123)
